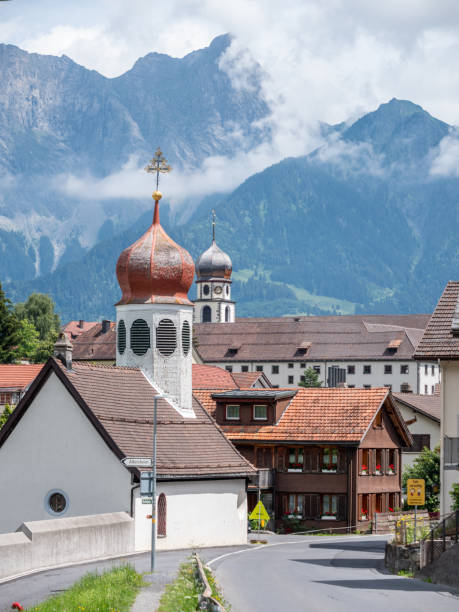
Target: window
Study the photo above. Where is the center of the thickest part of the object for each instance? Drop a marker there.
(426, 369)
(379, 467)
(295, 504)
(329, 506)
(140, 337)
(244, 368)
(403, 369)
(433, 370)
(232, 412)
(303, 366)
(367, 369)
(227, 313)
(206, 314)
(365, 466)
(275, 386)
(364, 510)
(264, 457)
(56, 502)
(419, 442)
(186, 337)
(206, 290)
(330, 459)
(295, 459)
(260, 412)
(392, 462)
(351, 369)
(303, 378)
(387, 369)
(367, 386)
(275, 369)
(121, 337)
(351, 386)
(5, 398)
(426, 391)
(259, 368)
(316, 369)
(166, 337)
(229, 368)
(162, 516)
(290, 365)
(433, 389)
(290, 380)
(227, 290)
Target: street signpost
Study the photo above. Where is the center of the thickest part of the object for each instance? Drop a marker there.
(144, 462)
(259, 514)
(416, 496)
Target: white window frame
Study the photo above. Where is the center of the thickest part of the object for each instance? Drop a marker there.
(233, 418)
(255, 418)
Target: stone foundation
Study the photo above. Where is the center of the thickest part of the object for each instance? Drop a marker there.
(399, 557)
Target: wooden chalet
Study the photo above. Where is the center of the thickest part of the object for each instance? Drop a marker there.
(328, 457)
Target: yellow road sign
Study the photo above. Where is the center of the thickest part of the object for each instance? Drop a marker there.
(416, 490)
(259, 513)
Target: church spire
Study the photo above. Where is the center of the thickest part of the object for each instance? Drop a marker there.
(213, 225)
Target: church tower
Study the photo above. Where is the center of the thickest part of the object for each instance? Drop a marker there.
(154, 317)
(213, 284)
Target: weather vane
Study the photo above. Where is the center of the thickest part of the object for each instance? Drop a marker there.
(159, 165)
(213, 224)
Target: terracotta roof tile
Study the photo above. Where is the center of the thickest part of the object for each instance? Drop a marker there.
(212, 377)
(246, 379)
(438, 341)
(95, 345)
(75, 328)
(18, 376)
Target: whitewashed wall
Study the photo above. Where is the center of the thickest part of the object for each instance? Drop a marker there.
(450, 426)
(200, 513)
(422, 425)
(56, 447)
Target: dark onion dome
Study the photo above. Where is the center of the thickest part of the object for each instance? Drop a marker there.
(155, 269)
(213, 263)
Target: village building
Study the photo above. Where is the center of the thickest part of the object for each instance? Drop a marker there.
(15, 379)
(441, 342)
(74, 328)
(326, 457)
(64, 445)
(422, 415)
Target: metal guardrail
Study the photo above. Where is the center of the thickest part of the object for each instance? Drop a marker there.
(206, 602)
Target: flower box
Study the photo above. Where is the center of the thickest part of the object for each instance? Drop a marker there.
(363, 473)
(328, 517)
(295, 516)
(364, 517)
(377, 472)
(390, 472)
(294, 469)
(329, 470)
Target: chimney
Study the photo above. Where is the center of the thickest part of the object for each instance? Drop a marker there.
(105, 326)
(63, 349)
(81, 323)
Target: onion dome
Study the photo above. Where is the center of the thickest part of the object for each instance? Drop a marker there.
(155, 269)
(214, 263)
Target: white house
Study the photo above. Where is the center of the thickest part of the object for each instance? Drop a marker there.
(61, 451)
(441, 342)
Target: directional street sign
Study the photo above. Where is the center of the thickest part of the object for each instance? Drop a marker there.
(416, 491)
(259, 513)
(138, 462)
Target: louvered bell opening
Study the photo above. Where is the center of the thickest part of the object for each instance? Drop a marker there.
(186, 337)
(140, 337)
(121, 337)
(166, 337)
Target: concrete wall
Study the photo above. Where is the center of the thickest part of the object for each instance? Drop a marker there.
(449, 426)
(429, 376)
(41, 544)
(200, 513)
(55, 447)
(422, 425)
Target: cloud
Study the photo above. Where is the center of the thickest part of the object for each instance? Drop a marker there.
(446, 159)
(351, 158)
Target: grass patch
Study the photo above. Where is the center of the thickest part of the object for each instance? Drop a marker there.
(183, 593)
(406, 573)
(216, 593)
(112, 591)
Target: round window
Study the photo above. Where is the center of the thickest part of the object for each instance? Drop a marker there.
(121, 337)
(186, 337)
(56, 502)
(166, 337)
(140, 337)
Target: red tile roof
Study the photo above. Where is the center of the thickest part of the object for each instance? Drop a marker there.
(325, 414)
(18, 376)
(212, 377)
(327, 337)
(75, 328)
(94, 345)
(438, 341)
(119, 402)
(247, 379)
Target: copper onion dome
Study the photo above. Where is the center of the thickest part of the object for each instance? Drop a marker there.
(155, 269)
(214, 263)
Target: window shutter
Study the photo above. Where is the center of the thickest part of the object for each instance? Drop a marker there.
(281, 459)
(360, 459)
(284, 504)
(315, 506)
(315, 460)
(341, 508)
(342, 460)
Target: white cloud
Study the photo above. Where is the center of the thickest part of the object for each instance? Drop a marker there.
(446, 159)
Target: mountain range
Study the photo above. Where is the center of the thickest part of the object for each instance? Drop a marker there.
(365, 223)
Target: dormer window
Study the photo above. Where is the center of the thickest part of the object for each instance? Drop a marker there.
(232, 412)
(260, 412)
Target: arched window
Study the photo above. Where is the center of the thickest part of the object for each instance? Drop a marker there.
(227, 314)
(206, 290)
(140, 337)
(162, 516)
(206, 314)
(186, 337)
(227, 290)
(166, 337)
(121, 337)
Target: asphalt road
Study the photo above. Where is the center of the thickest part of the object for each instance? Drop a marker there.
(318, 574)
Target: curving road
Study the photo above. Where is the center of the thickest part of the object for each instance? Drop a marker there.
(321, 574)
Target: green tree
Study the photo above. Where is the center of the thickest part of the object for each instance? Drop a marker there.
(28, 340)
(455, 495)
(8, 329)
(310, 379)
(5, 414)
(39, 310)
(426, 466)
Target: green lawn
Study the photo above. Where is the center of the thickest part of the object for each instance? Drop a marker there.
(112, 591)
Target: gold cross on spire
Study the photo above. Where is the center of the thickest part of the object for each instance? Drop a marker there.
(159, 165)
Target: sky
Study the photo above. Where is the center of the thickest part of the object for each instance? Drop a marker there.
(326, 61)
